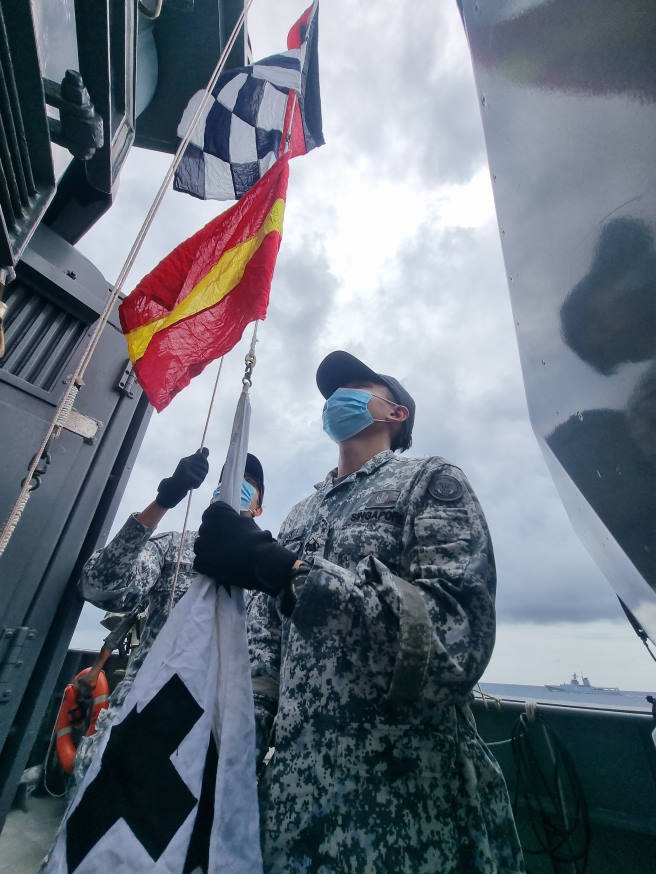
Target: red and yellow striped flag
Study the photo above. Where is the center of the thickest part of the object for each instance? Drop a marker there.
(193, 307)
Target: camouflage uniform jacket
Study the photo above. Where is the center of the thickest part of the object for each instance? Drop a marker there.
(378, 767)
(135, 569)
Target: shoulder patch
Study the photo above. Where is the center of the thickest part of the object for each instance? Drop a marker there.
(444, 487)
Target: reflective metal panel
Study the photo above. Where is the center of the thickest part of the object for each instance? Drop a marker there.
(568, 101)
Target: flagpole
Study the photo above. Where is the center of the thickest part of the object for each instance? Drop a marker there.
(76, 381)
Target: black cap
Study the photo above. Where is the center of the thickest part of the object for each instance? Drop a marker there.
(254, 469)
(339, 368)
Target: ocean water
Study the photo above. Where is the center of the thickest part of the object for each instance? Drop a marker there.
(624, 699)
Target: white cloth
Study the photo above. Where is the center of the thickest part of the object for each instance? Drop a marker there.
(202, 646)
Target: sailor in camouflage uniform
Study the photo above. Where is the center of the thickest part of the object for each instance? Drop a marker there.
(137, 570)
(364, 662)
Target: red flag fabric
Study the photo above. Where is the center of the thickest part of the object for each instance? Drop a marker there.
(298, 30)
(194, 306)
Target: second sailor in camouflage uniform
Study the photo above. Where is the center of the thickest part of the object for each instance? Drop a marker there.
(362, 674)
(137, 570)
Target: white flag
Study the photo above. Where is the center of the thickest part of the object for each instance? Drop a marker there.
(172, 787)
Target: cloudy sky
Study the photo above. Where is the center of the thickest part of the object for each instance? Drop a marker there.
(391, 250)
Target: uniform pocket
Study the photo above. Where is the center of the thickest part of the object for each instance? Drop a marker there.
(443, 543)
(354, 541)
(443, 526)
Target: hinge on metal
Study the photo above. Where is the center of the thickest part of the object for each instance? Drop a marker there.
(80, 128)
(12, 644)
(126, 380)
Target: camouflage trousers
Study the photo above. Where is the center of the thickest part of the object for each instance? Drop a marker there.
(375, 799)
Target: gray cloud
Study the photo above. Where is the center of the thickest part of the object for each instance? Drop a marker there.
(303, 291)
(403, 96)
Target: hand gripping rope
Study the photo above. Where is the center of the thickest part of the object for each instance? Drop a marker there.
(247, 382)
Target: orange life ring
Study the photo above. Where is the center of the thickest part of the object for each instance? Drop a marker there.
(69, 714)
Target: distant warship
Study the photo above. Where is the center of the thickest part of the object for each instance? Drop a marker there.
(583, 685)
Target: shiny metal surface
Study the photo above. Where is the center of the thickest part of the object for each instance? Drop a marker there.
(568, 102)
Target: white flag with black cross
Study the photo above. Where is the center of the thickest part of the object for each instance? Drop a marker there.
(172, 787)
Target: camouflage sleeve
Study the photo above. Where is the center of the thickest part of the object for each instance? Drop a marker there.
(264, 644)
(120, 576)
(451, 560)
(431, 631)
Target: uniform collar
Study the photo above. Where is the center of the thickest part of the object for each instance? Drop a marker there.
(367, 468)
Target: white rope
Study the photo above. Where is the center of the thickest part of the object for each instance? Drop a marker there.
(14, 518)
(209, 410)
(186, 518)
(288, 132)
(250, 363)
(251, 351)
(498, 701)
(530, 708)
(66, 403)
(179, 558)
(559, 785)
(485, 696)
(66, 406)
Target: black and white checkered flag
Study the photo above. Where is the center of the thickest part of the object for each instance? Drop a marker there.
(239, 134)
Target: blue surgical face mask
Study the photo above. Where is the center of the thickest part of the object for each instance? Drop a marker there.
(247, 494)
(346, 413)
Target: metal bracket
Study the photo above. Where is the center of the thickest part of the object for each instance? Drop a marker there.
(12, 644)
(126, 381)
(83, 426)
(76, 423)
(80, 129)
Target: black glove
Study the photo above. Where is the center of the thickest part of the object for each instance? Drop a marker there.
(235, 552)
(189, 474)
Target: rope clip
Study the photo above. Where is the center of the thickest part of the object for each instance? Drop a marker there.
(251, 361)
(41, 469)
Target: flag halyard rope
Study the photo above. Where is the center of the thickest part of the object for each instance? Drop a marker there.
(247, 382)
(65, 405)
(288, 132)
(189, 496)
